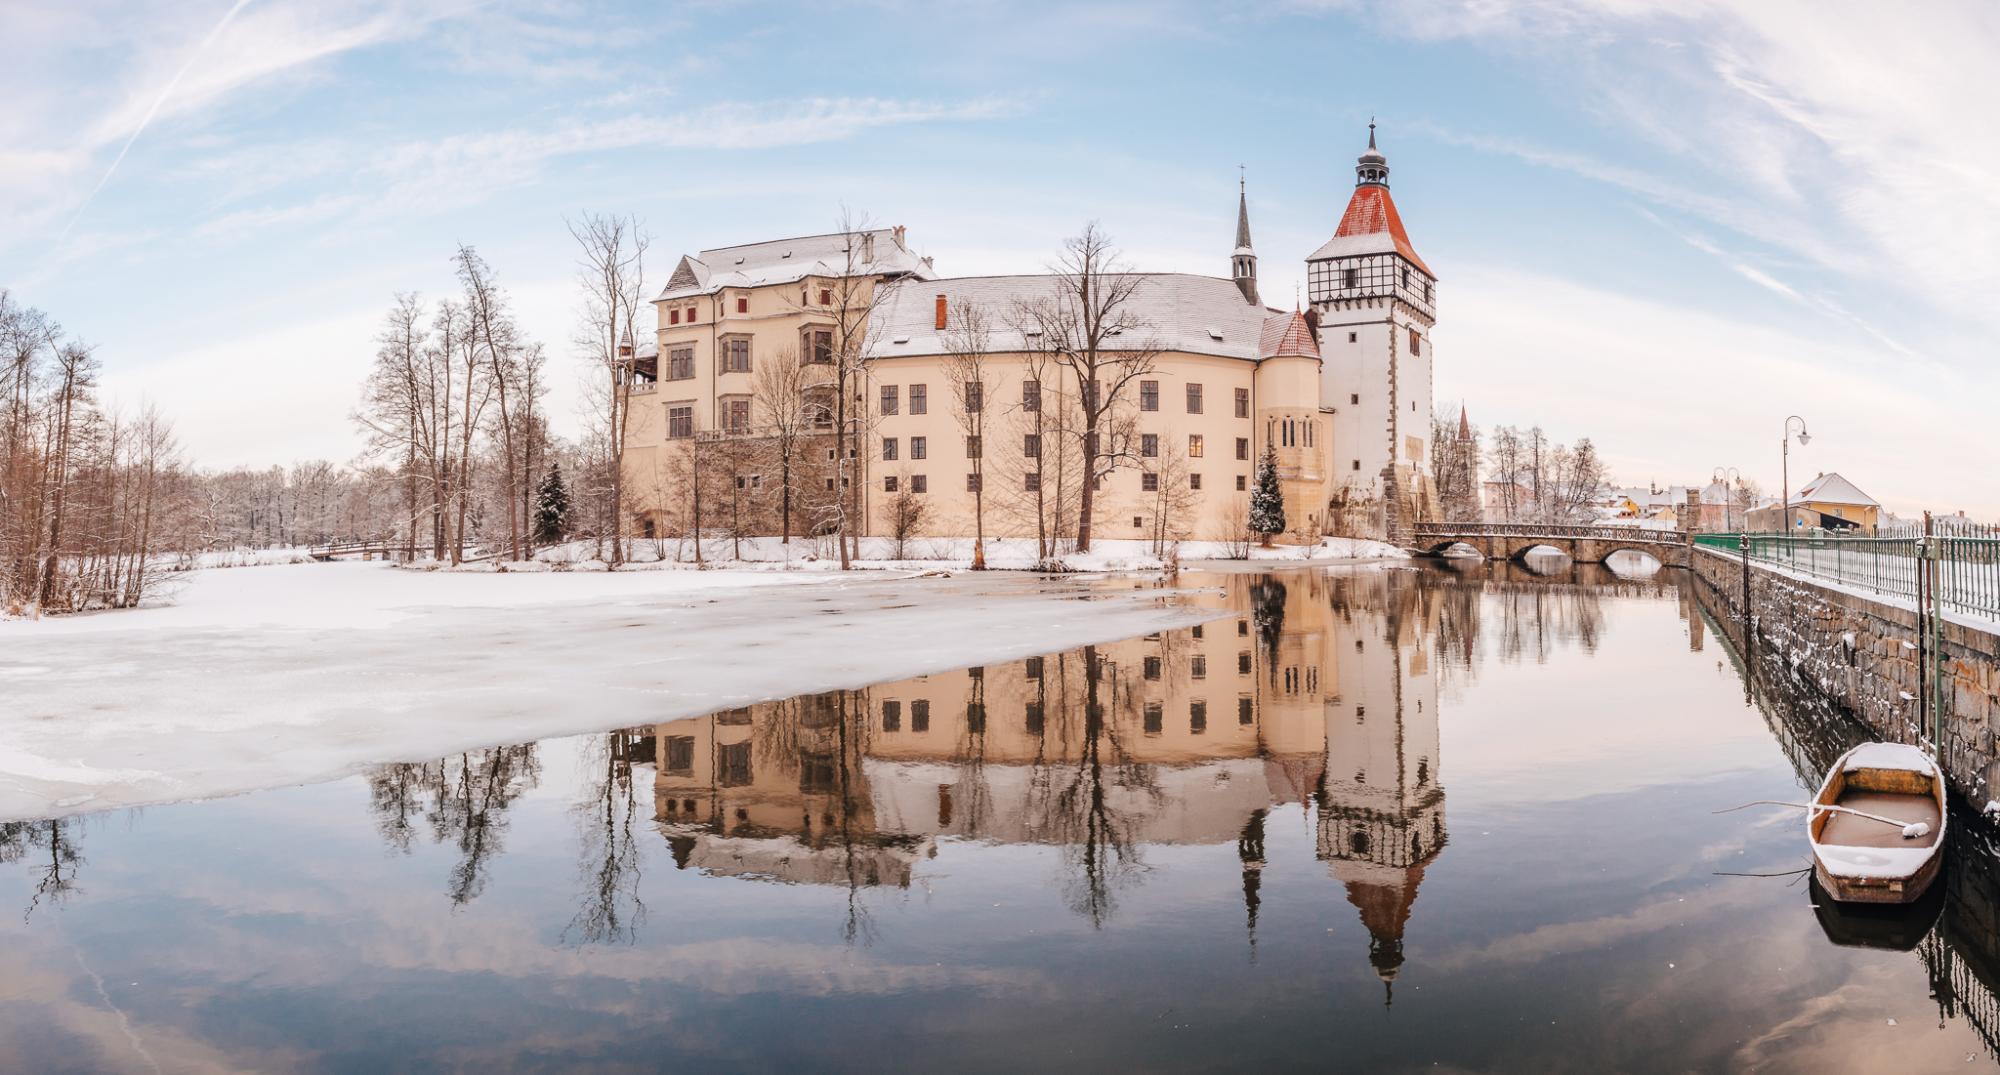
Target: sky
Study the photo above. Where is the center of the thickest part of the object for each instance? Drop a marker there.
(1663, 226)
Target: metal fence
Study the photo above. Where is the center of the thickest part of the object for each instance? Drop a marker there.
(1966, 556)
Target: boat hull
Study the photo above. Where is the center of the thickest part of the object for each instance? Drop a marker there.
(1878, 890)
(1864, 861)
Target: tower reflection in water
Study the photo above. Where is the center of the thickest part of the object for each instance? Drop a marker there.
(1315, 690)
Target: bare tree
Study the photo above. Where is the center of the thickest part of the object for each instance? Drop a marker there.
(1091, 326)
(779, 391)
(907, 511)
(494, 336)
(1172, 498)
(967, 342)
(612, 275)
(850, 302)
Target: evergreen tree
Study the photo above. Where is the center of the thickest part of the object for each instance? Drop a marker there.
(552, 507)
(1267, 503)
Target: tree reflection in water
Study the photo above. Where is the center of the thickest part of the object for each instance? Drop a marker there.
(50, 845)
(461, 800)
(608, 853)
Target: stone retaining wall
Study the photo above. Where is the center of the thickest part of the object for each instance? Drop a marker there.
(1861, 652)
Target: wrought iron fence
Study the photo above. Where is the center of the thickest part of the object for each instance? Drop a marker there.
(1966, 555)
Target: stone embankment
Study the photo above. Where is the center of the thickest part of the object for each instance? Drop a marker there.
(1864, 652)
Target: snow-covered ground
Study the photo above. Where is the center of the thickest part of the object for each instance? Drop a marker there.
(294, 673)
(1011, 554)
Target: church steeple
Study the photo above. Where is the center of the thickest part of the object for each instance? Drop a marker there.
(1243, 260)
(1371, 168)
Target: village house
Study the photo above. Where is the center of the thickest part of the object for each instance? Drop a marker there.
(1827, 502)
(1341, 390)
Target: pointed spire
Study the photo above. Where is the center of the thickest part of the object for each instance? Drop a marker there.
(1371, 168)
(1243, 259)
(1464, 426)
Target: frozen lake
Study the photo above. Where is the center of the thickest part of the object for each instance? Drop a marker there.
(1426, 817)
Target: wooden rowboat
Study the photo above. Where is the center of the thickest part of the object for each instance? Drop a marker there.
(1877, 825)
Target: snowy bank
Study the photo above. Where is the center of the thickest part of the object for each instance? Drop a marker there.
(292, 674)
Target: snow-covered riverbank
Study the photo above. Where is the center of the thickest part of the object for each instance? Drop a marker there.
(295, 673)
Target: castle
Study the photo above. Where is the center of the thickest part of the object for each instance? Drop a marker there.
(1205, 377)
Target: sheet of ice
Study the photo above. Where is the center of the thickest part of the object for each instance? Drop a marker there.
(290, 674)
(1888, 756)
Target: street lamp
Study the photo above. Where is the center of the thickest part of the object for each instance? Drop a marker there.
(1785, 468)
(1734, 478)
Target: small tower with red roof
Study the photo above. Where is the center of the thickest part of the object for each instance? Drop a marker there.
(1376, 304)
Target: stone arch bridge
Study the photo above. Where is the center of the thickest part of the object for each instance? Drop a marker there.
(1582, 544)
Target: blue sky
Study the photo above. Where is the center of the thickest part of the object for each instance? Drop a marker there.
(1663, 226)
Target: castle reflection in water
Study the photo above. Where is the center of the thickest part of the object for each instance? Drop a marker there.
(1313, 689)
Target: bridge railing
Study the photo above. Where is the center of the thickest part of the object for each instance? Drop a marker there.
(1566, 531)
(1968, 562)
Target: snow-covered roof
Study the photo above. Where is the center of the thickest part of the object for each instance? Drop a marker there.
(782, 261)
(1203, 315)
(1371, 225)
(1831, 488)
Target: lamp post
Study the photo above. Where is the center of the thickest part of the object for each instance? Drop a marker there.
(1728, 498)
(1785, 469)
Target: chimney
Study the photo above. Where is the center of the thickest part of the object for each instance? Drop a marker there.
(898, 233)
(868, 247)
(940, 313)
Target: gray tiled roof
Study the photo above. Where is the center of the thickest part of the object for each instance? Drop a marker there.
(782, 261)
(1202, 315)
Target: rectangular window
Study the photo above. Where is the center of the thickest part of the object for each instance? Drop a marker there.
(892, 716)
(1031, 445)
(1149, 395)
(1198, 666)
(1198, 717)
(680, 364)
(680, 421)
(1243, 403)
(975, 717)
(1349, 278)
(680, 753)
(1149, 445)
(920, 399)
(1353, 336)
(1151, 667)
(920, 448)
(1149, 481)
(972, 482)
(1031, 482)
(736, 415)
(891, 402)
(889, 484)
(826, 296)
(1152, 718)
(1354, 399)
(920, 715)
(1243, 447)
(735, 765)
(1416, 341)
(1194, 399)
(1243, 663)
(975, 397)
(1239, 483)
(1194, 481)
(1246, 709)
(1034, 718)
(1031, 395)
(1194, 446)
(819, 346)
(742, 304)
(736, 356)
(888, 447)
(919, 484)
(1032, 668)
(1357, 464)
(972, 447)
(673, 317)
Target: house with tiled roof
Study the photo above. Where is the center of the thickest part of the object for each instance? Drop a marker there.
(1338, 389)
(1827, 502)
